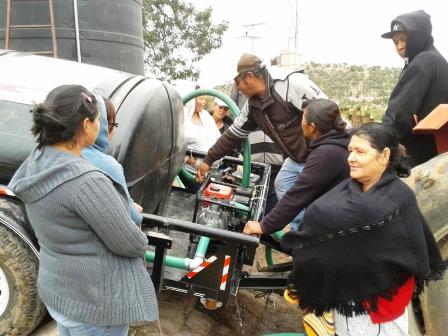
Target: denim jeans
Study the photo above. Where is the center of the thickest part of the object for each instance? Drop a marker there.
(285, 179)
(69, 327)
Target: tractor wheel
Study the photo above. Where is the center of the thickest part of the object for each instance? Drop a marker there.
(435, 300)
(20, 307)
(430, 184)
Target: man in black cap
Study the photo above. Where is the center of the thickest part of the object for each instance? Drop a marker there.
(274, 106)
(422, 86)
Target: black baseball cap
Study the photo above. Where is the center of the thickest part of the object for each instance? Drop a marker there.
(395, 27)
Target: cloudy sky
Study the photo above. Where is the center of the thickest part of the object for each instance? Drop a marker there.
(328, 31)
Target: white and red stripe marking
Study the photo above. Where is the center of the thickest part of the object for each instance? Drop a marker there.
(4, 191)
(204, 264)
(225, 272)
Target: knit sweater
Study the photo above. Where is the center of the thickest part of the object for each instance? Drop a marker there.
(90, 250)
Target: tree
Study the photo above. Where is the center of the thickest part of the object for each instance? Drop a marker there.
(176, 37)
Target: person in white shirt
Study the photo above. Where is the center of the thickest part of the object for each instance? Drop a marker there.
(200, 133)
(200, 130)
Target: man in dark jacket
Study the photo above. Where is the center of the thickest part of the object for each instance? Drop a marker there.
(275, 107)
(422, 86)
(262, 149)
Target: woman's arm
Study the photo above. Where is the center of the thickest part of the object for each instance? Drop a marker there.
(320, 171)
(100, 205)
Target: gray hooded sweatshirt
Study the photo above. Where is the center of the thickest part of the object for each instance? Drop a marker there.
(91, 267)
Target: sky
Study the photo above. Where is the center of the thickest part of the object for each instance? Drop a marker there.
(344, 31)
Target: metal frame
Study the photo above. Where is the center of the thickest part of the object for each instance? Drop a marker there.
(238, 246)
(207, 282)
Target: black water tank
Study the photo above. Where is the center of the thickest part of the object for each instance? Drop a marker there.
(149, 141)
(110, 31)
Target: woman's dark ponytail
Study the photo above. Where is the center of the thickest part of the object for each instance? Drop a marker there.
(339, 124)
(325, 114)
(60, 116)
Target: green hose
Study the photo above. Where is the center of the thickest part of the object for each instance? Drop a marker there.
(171, 261)
(178, 262)
(278, 235)
(246, 152)
(268, 250)
(202, 247)
(235, 112)
(185, 175)
(285, 334)
(268, 256)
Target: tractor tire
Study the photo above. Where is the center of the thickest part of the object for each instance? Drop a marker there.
(21, 310)
(435, 301)
(430, 184)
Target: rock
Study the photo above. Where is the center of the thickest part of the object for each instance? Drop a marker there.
(222, 330)
(199, 323)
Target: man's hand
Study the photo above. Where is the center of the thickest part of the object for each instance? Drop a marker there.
(252, 227)
(203, 169)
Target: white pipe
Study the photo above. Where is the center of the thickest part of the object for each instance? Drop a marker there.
(78, 44)
(191, 264)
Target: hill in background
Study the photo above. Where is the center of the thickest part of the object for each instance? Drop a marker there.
(361, 92)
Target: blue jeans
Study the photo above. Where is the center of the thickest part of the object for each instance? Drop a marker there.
(285, 179)
(69, 327)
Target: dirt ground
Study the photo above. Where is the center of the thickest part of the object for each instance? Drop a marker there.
(249, 313)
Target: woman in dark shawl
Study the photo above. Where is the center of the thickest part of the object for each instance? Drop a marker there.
(365, 248)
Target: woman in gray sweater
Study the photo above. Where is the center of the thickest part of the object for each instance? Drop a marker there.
(91, 274)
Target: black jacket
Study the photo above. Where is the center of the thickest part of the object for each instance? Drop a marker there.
(355, 246)
(325, 167)
(278, 114)
(422, 86)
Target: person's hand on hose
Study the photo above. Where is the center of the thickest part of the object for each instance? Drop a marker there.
(202, 171)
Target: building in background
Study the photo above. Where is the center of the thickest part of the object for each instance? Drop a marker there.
(289, 59)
